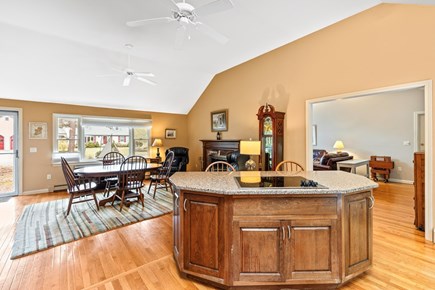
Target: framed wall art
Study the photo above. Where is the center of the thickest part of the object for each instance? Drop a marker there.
(37, 130)
(170, 133)
(219, 121)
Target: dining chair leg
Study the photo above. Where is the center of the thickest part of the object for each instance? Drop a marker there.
(122, 200)
(155, 189)
(96, 201)
(70, 203)
(149, 187)
(141, 197)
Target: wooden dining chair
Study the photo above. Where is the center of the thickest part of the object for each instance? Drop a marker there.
(288, 165)
(130, 180)
(161, 178)
(220, 166)
(79, 188)
(112, 158)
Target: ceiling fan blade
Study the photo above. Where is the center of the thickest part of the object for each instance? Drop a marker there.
(127, 81)
(146, 81)
(112, 75)
(181, 36)
(172, 5)
(121, 71)
(147, 21)
(213, 7)
(144, 74)
(222, 39)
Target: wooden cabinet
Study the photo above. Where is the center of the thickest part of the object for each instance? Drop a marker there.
(285, 250)
(270, 241)
(258, 250)
(271, 135)
(203, 234)
(419, 190)
(312, 250)
(358, 232)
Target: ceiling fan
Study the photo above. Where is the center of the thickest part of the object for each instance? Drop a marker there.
(186, 15)
(130, 74)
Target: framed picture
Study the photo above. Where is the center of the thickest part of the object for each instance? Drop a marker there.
(219, 121)
(37, 130)
(170, 133)
(314, 135)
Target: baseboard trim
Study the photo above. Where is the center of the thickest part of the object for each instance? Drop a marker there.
(400, 180)
(37, 191)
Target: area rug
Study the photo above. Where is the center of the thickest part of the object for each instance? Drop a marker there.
(44, 225)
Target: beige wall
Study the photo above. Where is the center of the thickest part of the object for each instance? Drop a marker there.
(38, 165)
(383, 46)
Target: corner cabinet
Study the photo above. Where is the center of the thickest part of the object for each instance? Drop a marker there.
(271, 134)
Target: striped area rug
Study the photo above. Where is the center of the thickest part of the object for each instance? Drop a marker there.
(44, 225)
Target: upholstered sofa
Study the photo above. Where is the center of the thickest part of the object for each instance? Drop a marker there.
(329, 161)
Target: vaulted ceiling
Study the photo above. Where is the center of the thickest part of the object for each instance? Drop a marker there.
(57, 50)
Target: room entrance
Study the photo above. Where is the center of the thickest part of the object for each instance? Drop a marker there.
(9, 154)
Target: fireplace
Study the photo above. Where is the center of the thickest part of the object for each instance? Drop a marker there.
(217, 150)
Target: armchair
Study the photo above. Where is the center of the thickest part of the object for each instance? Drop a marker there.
(181, 159)
(237, 160)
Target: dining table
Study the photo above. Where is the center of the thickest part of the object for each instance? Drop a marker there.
(101, 171)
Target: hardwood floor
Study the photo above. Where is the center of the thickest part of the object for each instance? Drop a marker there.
(140, 256)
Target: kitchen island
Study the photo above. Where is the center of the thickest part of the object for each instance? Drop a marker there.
(231, 233)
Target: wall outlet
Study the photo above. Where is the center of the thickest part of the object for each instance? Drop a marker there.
(33, 149)
(399, 168)
(406, 143)
(48, 176)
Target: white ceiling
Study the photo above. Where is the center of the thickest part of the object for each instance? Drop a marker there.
(53, 50)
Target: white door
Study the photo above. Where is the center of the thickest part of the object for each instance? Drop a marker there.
(419, 131)
(9, 170)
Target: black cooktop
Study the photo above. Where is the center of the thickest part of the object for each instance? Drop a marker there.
(278, 182)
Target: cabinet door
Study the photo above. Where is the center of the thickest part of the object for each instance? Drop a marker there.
(203, 237)
(258, 251)
(176, 224)
(312, 251)
(358, 232)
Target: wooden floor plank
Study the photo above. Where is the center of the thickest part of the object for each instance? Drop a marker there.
(139, 256)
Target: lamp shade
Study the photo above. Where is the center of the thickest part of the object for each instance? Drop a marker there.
(157, 143)
(250, 147)
(338, 145)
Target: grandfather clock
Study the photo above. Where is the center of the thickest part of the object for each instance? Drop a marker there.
(271, 134)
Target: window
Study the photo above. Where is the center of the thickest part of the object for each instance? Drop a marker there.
(86, 138)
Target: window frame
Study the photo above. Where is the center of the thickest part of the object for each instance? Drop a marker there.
(79, 156)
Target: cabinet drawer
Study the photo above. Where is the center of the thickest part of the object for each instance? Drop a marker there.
(285, 206)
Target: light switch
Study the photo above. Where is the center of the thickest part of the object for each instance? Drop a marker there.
(33, 149)
(406, 143)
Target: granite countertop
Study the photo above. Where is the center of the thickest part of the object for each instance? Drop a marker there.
(335, 182)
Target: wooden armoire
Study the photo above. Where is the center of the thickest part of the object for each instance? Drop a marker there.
(271, 135)
(419, 190)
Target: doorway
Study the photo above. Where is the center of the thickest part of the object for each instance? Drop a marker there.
(10, 173)
(427, 88)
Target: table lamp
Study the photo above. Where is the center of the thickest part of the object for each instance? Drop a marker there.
(157, 143)
(250, 148)
(338, 145)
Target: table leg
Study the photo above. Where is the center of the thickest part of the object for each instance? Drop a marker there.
(354, 169)
(367, 171)
(111, 198)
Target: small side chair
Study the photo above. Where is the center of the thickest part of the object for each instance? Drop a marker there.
(288, 165)
(161, 179)
(79, 189)
(220, 166)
